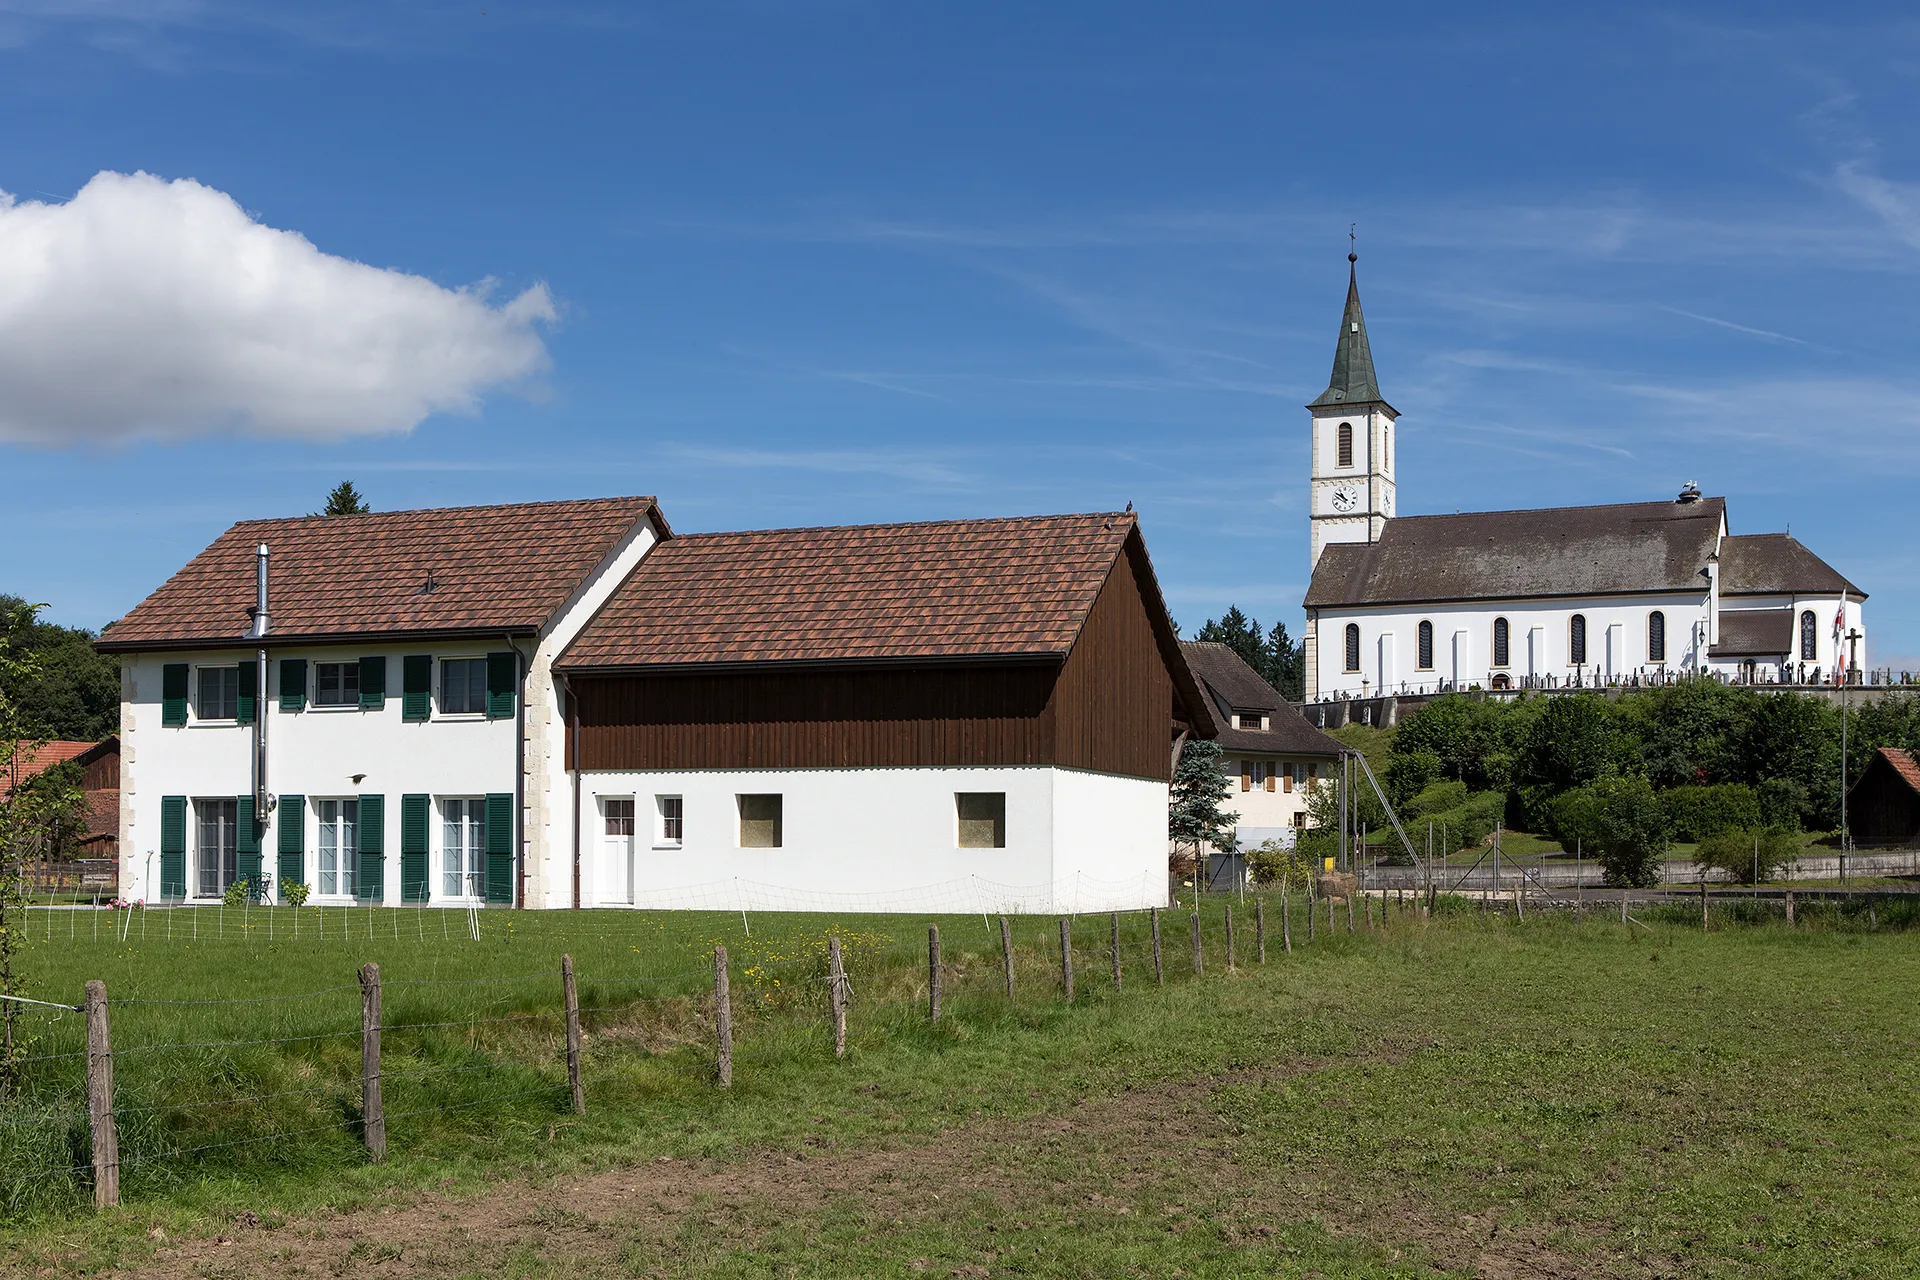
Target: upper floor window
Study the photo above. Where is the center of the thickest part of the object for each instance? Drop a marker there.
(463, 686)
(1344, 449)
(1656, 636)
(336, 684)
(1809, 634)
(1250, 719)
(219, 694)
(1500, 642)
(1353, 646)
(1423, 658)
(1577, 638)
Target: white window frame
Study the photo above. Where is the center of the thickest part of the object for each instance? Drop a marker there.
(440, 684)
(474, 872)
(221, 877)
(313, 701)
(193, 694)
(661, 840)
(346, 861)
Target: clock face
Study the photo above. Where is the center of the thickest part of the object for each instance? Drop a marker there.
(1346, 498)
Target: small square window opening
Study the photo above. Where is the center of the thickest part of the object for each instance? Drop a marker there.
(983, 819)
(760, 821)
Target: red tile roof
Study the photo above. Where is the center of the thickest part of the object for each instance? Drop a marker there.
(1904, 765)
(947, 589)
(501, 568)
(26, 760)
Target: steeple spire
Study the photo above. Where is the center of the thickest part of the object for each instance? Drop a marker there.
(1353, 381)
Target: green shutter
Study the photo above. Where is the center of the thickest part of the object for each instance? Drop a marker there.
(247, 846)
(503, 675)
(291, 818)
(416, 686)
(373, 848)
(293, 684)
(414, 812)
(373, 683)
(499, 847)
(173, 693)
(173, 847)
(249, 692)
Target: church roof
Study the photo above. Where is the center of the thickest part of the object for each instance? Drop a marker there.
(1353, 381)
(1754, 633)
(1629, 547)
(1777, 564)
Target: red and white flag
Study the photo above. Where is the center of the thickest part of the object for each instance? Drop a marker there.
(1839, 650)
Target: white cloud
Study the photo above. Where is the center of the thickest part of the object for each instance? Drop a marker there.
(147, 308)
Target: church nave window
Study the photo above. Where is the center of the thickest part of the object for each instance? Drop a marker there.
(1809, 632)
(1656, 636)
(1345, 446)
(1353, 646)
(1500, 646)
(1577, 639)
(1424, 657)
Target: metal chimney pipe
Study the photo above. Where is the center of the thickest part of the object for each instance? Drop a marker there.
(260, 592)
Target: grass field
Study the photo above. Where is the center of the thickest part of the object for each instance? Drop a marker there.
(1448, 1097)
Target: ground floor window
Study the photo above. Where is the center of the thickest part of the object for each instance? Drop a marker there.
(463, 847)
(983, 819)
(670, 823)
(760, 821)
(218, 845)
(339, 845)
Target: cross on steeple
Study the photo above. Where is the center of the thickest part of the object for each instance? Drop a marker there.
(1353, 381)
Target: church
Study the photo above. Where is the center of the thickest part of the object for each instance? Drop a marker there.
(1556, 597)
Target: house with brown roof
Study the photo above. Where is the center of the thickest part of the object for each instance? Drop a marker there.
(1883, 808)
(956, 715)
(1543, 598)
(1272, 757)
(362, 704)
(563, 704)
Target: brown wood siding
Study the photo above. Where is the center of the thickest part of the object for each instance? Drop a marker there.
(1110, 706)
(985, 715)
(102, 773)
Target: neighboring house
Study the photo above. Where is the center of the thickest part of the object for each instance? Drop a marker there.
(881, 717)
(1883, 808)
(1541, 598)
(99, 839)
(1272, 757)
(386, 730)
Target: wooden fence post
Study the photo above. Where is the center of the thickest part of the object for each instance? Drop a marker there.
(1006, 953)
(1113, 947)
(1623, 906)
(1351, 895)
(1159, 969)
(722, 1018)
(1229, 918)
(837, 994)
(373, 1112)
(1789, 908)
(933, 973)
(1703, 901)
(1260, 928)
(1066, 956)
(572, 994)
(106, 1138)
(1286, 919)
(1199, 960)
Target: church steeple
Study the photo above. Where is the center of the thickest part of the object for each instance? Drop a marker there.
(1353, 381)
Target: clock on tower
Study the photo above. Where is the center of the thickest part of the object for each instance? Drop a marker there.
(1352, 484)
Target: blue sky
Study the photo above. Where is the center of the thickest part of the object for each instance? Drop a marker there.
(835, 262)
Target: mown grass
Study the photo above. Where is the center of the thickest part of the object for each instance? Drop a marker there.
(1458, 1096)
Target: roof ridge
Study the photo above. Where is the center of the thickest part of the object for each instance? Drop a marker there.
(475, 506)
(1132, 516)
(1530, 511)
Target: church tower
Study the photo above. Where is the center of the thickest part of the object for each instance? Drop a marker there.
(1351, 491)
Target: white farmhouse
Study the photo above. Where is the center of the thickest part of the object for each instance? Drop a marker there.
(1546, 598)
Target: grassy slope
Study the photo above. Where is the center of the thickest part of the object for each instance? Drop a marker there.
(1482, 1097)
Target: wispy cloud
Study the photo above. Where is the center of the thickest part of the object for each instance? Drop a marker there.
(916, 468)
(1768, 334)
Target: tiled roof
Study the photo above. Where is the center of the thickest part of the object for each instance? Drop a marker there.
(1754, 633)
(1777, 564)
(1903, 765)
(26, 760)
(1352, 381)
(501, 568)
(1500, 555)
(1233, 685)
(947, 589)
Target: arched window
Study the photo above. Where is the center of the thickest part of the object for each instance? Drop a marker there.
(1809, 632)
(1499, 642)
(1424, 659)
(1656, 636)
(1345, 447)
(1577, 639)
(1353, 646)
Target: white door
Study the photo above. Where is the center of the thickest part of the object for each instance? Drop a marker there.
(616, 849)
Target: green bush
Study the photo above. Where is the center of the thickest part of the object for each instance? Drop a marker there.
(1531, 808)
(1410, 773)
(1463, 825)
(1782, 801)
(238, 894)
(1437, 797)
(1741, 852)
(1273, 865)
(1618, 822)
(1695, 813)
